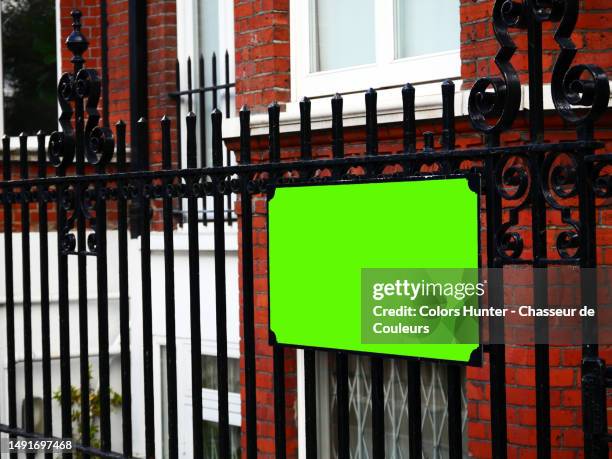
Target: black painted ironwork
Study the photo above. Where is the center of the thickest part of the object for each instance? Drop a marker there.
(205, 140)
(537, 178)
(139, 61)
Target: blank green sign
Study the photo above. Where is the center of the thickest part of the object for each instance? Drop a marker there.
(321, 237)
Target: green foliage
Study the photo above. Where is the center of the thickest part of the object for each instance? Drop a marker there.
(29, 66)
(94, 410)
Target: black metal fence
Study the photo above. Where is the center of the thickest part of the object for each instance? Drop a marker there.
(539, 176)
(226, 89)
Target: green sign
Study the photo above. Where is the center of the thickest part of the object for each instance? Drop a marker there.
(348, 262)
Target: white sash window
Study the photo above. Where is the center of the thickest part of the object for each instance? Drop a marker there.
(350, 45)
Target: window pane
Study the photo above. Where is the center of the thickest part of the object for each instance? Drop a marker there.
(426, 27)
(29, 66)
(208, 30)
(209, 373)
(342, 34)
(208, 43)
(210, 435)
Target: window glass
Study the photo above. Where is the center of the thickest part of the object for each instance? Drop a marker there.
(208, 30)
(209, 373)
(29, 66)
(208, 44)
(426, 27)
(342, 34)
(210, 435)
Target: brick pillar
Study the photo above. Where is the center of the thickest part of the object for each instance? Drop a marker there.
(262, 76)
(262, 52)
(161, 36)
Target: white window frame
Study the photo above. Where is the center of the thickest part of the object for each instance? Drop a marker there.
(386, 72)
(210, 397)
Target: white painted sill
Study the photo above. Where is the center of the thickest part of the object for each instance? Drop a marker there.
(206, 239)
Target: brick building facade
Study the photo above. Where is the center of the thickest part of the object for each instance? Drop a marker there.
(262, 30)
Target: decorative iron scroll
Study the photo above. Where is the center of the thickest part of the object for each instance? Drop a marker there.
(61, 143)
(499, 98)
(568, 86)
(580, 95)
(512, 181)
(99, 142)
(85, 142)
(560, 172)
(583, 86)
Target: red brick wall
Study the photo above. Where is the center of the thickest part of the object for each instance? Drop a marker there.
(161, 32)
(119, 62)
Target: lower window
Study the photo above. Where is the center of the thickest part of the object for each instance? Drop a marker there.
(433, 408)
(210, 412)
(210, 407)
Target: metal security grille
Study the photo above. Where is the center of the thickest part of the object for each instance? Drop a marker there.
(434, 408)
(536, 178)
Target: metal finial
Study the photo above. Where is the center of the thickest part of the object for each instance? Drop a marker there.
(76, 41)
(76, 19)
